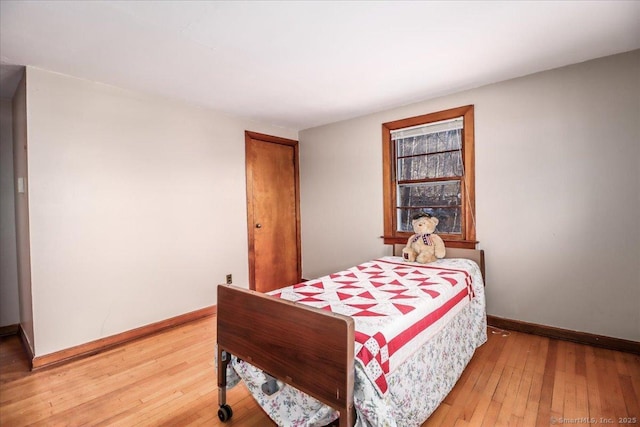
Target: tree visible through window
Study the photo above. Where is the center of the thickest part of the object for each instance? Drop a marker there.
(428, 166)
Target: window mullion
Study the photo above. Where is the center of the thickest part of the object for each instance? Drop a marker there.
(456, 150)
(427, 180)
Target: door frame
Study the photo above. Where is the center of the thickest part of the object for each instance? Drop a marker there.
(248, 136)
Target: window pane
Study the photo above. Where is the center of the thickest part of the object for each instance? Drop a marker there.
(449, 219)
(431, 143)
(429, 194)
(430, 166)
(441, 199)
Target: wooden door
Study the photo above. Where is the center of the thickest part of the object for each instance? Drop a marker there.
(273, 213)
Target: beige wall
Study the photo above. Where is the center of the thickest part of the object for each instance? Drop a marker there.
(20, 155)
(558, 194)
(9, 308)
(137, 207)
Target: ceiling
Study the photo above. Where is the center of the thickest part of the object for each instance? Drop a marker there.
(300, 64)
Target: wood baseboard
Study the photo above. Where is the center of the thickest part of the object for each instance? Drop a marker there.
(610, 343)
(97, 346)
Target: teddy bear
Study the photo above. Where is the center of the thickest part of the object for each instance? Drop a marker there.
(425, 246)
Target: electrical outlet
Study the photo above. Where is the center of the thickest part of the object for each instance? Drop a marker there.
(229, 279)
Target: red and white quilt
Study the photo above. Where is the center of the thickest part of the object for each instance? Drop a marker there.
(397, 306)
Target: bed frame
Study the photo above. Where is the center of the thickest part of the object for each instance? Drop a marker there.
(293, 343)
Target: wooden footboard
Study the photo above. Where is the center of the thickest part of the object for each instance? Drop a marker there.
(309, 348)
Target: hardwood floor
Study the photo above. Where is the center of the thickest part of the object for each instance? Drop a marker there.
(168, 379)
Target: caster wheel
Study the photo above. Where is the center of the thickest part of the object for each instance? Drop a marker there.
(225, 413)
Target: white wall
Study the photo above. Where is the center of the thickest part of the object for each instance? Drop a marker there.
(9, 308)
(557, 187)
(137, 207)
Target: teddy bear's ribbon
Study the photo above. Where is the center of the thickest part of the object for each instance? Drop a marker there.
(426, 238)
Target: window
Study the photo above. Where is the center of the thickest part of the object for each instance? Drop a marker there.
(428, 165)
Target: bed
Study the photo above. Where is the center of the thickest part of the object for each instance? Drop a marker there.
(379, 344)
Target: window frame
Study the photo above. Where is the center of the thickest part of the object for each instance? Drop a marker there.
(467, 238)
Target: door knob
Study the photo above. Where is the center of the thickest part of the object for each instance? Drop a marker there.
(258, 225)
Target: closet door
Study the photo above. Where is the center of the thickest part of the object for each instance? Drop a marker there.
(272, 211)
